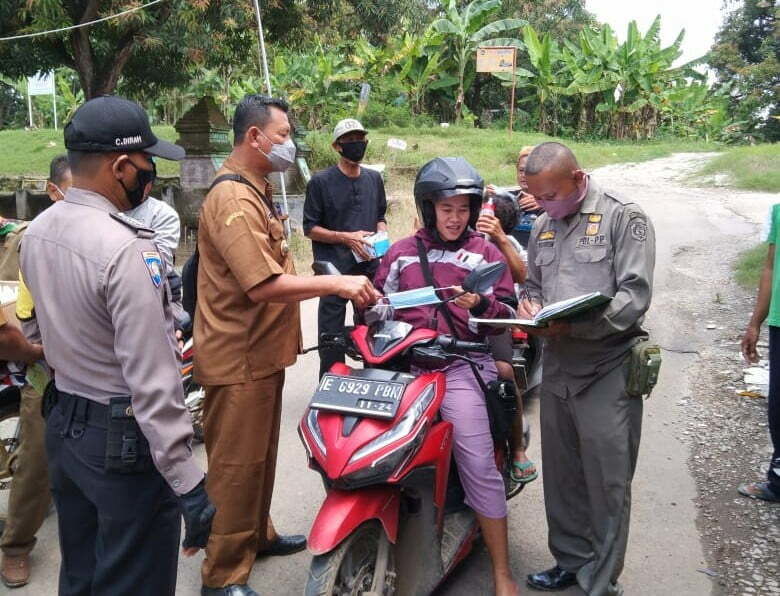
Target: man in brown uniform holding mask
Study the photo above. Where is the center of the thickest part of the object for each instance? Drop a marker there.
(247, 331)
(588, 240)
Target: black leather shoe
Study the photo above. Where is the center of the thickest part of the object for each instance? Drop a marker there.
(284, 545)
(552, 580)
(231, 590)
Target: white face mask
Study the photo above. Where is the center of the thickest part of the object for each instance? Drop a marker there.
(281, 156)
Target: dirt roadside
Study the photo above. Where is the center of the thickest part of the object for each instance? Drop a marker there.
(698, 316)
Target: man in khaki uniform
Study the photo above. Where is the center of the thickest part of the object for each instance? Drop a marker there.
(29, 498)
(587, 241)
(118, 435)
(247, 331)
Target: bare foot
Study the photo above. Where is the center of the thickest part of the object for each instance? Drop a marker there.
(506, 586)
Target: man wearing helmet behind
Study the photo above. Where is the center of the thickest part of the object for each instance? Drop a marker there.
(448, 193)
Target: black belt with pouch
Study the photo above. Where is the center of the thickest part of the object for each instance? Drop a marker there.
(127, 450)
(644, 368)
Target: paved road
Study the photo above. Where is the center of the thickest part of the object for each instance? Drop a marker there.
(665, 551)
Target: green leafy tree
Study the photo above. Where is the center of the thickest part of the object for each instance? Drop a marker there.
(465, 29)
(563, 19)
(746, 59)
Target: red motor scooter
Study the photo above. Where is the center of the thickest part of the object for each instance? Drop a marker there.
(391, 521)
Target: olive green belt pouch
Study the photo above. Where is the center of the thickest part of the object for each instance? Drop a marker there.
(644, 368)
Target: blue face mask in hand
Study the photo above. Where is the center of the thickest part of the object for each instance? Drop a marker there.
(411, 298)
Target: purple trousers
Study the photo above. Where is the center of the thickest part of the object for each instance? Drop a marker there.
(464, 406)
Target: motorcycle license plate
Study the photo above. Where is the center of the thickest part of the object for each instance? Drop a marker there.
(361, 397)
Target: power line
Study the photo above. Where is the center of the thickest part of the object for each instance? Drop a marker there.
(113, 16)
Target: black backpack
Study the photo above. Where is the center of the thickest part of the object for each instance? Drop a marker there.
(189, 273)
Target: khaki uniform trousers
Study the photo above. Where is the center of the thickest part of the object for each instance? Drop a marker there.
(590, 443)
(28, 501)
(241, 432)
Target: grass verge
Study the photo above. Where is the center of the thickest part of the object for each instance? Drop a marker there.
(749, 265)
(493, 152)
(29, 152)
(751, 168)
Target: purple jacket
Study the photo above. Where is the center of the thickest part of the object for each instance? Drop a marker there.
(400, 270)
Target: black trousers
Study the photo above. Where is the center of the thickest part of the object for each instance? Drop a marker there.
(119, 533)
(773, 407)
(332, 313)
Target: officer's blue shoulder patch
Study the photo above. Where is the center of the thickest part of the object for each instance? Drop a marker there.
(153, 263)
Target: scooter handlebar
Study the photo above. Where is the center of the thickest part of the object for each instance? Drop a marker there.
(452, 344)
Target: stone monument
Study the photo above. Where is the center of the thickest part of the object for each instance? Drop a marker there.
(204, 133)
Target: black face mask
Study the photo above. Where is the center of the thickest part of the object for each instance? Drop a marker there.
(353, 150)
(135, 196)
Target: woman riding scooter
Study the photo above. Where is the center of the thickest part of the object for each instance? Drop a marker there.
(448, 193)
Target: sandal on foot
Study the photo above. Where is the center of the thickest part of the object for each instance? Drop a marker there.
(758, 490)
(523, 478)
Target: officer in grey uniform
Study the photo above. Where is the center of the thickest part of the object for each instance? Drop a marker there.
(588, 240)
(118, 436)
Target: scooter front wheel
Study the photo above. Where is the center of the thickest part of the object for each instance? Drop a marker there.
(362, 565)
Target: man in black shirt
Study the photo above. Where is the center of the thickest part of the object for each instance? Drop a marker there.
(344, 204)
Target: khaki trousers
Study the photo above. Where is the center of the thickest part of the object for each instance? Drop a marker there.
(241, 432)
(590, 443)
(28, 501)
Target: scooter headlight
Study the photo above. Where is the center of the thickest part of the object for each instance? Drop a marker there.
(400, 430)
(314, 428)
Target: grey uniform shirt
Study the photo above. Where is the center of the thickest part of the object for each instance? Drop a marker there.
(609, 247)
(159, 216)
(102, 305)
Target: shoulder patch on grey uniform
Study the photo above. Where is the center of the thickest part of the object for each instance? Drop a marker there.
(638, 227)
(153, 264)
(135, 225)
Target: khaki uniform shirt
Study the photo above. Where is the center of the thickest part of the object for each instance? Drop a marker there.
(241, 244)
(608, 247)
(102, 305)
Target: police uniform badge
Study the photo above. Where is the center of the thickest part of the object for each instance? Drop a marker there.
(153, 263)
(638, 226)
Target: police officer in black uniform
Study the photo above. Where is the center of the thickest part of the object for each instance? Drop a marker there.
(118, 436)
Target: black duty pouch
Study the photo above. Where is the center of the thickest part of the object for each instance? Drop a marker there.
(127, 450)
(49, 399)
(501, 400)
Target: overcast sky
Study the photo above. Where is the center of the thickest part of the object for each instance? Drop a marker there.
(701, 19)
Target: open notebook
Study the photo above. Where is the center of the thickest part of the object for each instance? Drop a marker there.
(551, 312)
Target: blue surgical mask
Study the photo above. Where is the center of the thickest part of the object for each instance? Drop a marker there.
(411, 298)
(281, 156)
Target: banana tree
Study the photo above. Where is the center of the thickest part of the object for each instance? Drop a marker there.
(318, 84)
(463, 30)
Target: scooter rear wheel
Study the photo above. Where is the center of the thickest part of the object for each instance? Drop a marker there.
(362, 565)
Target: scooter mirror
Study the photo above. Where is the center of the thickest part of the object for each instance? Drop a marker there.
(483, 277)
(324, 268)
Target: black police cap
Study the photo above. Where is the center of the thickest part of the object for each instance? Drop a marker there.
(111, 123)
